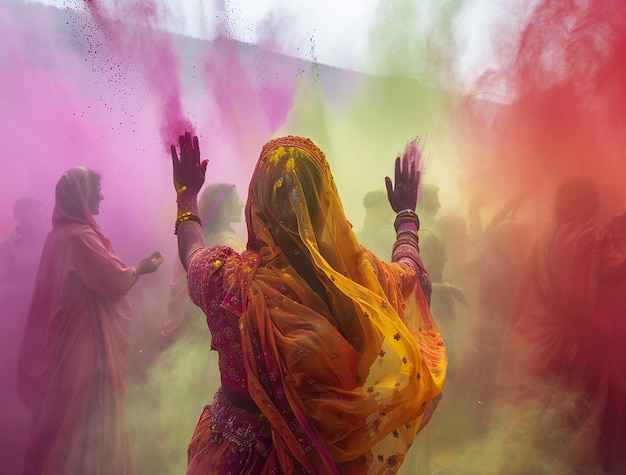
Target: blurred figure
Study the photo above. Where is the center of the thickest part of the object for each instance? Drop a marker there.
(457, 277)
(20, 250)
(501, 259)
(219, 207)
(432, 242)
(330, 361)
(502, 252)
(187, 370)
(433, 450)
(19, 257)
(432, 249)
(72, 363)
(452, 230)
(428, 205)
(377, 233)
(615, 294)
(570, 397)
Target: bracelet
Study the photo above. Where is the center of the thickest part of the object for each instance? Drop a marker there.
(407, 232)
(188, 216)
(406, 248)
(406, 216)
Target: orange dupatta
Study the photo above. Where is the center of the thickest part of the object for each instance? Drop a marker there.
(341, 349)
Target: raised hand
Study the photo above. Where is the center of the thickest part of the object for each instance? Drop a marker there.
(189, 170)
(402, 194)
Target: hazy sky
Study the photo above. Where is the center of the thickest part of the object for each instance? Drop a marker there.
(337, 30)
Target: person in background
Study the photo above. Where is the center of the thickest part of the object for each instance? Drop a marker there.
(20, 250)
(219, 207)
(569, 401)
(434, 443)
(330, 360)
(377, 233)
(497, 267)
(434, 253)
(19, 257)
(186, 370)
(428, 204)
(72, 362)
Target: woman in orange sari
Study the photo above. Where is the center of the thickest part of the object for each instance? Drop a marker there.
(329, 358)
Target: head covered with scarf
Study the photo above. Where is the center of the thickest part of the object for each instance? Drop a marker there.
(325, 336)
(213, 198)
(74, 194)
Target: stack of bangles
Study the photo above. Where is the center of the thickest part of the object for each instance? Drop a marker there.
(406, 225)
(188, 216)
(407, 246)
(406, 216)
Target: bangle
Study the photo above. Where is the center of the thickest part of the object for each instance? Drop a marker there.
(188, 216)
(407, 232)
(406, 216)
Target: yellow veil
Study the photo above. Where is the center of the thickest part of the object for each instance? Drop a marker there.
(341, 349)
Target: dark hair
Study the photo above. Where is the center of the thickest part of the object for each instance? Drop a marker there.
(576, 199)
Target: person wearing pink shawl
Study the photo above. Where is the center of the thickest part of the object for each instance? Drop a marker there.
(569, 392)
(72, 362)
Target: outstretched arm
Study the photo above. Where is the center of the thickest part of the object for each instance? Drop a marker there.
(189, 173)
(402, 195)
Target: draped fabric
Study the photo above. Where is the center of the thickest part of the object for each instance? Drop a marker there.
(341, 350)
(72, 365)
(569, 391)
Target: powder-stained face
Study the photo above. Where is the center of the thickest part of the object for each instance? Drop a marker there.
(234, 207)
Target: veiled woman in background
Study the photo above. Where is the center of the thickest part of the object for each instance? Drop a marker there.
(73, 358)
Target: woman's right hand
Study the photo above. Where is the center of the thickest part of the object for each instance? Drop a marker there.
(189, 170)
(150, 264)
(403, 194)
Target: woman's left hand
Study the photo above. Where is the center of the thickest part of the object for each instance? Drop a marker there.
(402, 194)
(189, 170)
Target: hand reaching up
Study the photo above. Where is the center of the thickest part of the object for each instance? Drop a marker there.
(402, 194)
(189, 170)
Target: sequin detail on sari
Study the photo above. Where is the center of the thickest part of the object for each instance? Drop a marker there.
(241, 427)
